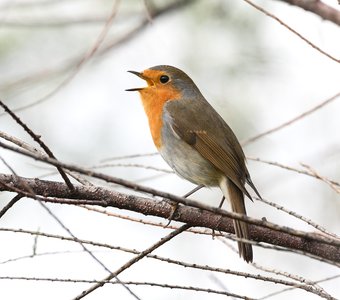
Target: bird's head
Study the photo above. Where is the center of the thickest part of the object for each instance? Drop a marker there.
(165, 82)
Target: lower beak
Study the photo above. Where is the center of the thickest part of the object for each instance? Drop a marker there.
(140, 75)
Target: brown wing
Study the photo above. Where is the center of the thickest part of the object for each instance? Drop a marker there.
(210, 135)
(209, 148)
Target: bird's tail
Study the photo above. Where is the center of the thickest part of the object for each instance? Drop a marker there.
(236, 199)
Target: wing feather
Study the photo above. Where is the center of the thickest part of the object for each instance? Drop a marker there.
(208, 133)
(210, 149)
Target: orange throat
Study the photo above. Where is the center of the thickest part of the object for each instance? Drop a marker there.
(153, 100)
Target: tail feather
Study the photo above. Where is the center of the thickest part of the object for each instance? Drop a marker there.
(236, 198)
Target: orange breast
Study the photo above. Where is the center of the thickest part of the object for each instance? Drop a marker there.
(154, 99)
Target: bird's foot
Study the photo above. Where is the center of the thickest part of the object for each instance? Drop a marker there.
(174, 209)
(218, 223)
(175, 205)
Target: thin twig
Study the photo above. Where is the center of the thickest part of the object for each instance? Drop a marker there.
(37, 139)
(267, 13)
(19, 142)
(295, 119)
(32, 149)
(26, 4)
(281, 248)
(294, 277)
(134, 260)
(300, 171)
(129, 156)
(36, 254)
(56, 22)
(322, 178)
(140, 166)
(10, 204)
(74, 63)
(305, 285)
(86, 249)
(79, 64)
(298, 216)
(31, 193)
(161, 285)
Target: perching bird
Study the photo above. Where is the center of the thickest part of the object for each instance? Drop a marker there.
(194, 139)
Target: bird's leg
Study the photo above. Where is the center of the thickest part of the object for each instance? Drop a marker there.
(219, 221)
(221, 203)
(175, 204)
(193, 191)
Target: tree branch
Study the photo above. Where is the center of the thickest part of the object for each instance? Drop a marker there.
(151, 191)
(319, 8)
(291, 29)
(38, 140)
(132, 261)
(192, 216)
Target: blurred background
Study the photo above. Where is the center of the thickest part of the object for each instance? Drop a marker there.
(256, 74)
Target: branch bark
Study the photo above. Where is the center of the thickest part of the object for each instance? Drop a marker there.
(319, 8)
(151, 191)
(59, 193)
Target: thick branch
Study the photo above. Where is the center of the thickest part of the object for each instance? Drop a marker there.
(319, 8)
(155, 192)
(192, 216)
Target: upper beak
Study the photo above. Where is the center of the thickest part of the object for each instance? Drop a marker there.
(139, 75)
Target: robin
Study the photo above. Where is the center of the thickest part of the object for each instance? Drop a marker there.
(194, 139)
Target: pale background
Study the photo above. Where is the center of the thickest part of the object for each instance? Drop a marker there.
(255, 73)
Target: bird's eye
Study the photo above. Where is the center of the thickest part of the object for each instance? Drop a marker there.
(164, 79)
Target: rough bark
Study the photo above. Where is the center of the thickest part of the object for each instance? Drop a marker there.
(57, 192)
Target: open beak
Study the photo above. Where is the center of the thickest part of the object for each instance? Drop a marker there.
(140, 75)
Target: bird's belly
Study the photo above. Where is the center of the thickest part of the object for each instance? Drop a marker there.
(187, 162)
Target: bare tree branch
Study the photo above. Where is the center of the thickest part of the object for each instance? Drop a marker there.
(27, 187)
(10, 204)
(199, 218)
(134, 260)
(304, 284)
(76, 62)
(270, 15)
(152, 191)
(322, 178)
(161, 285)
(295, 119)
(318, 245)
(289, 168)
(26, 4)
(95, 258)
(56, 22)
(319, 8)
(37, 139)
(298, 216)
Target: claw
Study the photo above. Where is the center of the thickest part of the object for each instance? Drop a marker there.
(176, 205)
(173, 212)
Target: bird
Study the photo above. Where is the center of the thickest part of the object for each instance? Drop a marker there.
(195, 140)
